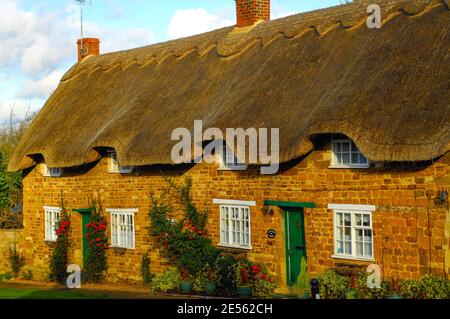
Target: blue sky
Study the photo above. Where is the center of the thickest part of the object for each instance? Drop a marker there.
(38, 37)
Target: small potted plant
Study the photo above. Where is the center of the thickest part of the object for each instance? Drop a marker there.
(243, 280)
(211, 276)
(185, 285)
(303, 286)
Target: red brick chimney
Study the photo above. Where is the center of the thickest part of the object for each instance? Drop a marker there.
(91, 46)
(251, 11)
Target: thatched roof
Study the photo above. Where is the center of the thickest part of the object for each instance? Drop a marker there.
(318, 72)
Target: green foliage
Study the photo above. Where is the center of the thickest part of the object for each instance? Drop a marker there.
(412, 289)
(185, 241)
(436, 287)
(6, 276)
(145, 269)
(60, 253)
(10, 185)
(364, 292)
(28, 275)
(226, 275)
(167, 281)
(332, 285)
(16, 261)
(263, 288)
(97, 242)
(302, 284)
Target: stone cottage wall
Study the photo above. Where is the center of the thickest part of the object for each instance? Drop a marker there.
(8, 239)
(411, 231)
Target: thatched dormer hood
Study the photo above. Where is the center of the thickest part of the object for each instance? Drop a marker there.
(312, 73)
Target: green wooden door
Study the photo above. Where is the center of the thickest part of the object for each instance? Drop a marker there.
(85, 220)
(295, 242)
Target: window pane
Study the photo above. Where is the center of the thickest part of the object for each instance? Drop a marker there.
(346, 158)
(345, 147)
(339, 219)
(359, 249)
(355, 158)
(358, 219)
(340, 247)
(348, 247)
(363, 159)
(368, 235)
(348, 219)
(368, 250)
(366, 220)
(354, 148)
(339, 233)
(348, 233)
(359, 235)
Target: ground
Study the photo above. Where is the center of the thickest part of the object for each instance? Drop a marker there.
(43, 290)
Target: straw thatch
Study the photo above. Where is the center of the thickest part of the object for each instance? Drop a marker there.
(319, 72)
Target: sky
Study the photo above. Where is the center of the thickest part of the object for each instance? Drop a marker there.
(38, 38)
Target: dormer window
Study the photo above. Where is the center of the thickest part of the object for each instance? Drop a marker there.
(52, 171)
(115, 167)
(345, 154)
(229, 162)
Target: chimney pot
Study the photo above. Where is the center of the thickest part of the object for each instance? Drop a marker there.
(249, 12)
(91, 46)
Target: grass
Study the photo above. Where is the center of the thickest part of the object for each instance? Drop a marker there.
(34, 293)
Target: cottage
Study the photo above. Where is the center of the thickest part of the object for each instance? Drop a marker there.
(364, 124)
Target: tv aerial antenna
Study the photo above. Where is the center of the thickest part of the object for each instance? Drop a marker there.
(82, 3)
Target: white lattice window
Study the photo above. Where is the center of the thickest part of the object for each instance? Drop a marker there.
(345, 154)
(115, 167)
(52, 215)
(122, 228)
(353, 231)
(52, 171)
(235, 226)
(228, 161)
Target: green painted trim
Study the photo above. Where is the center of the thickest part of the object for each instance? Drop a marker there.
(83, 210)
(289, 204)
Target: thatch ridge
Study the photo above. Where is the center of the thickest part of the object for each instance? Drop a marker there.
(111, 100)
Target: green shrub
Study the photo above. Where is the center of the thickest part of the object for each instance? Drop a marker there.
(226, 275)
(28, 275)
(436, 287)
(145, 269)
(332, 285)
(412, 289)
(263, 288)
(16, 262)
(364, 292)
(303, 284)
(6, 276)
(167, 281)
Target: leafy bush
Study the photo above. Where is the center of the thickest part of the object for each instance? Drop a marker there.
(60, 254)
(16, 262)
(302, 283)
(332, 285)
(185, 241)
(6, 276)
(145, 269)
(28, 275)
(412, 289)
(263, 288)
(97, 242)
(364, 292)
(436, 287)
(226, 275)
(167, 281)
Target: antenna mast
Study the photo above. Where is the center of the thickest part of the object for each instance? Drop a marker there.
(82, 3)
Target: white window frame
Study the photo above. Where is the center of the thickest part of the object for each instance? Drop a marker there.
(240, 206)
(52, 216)
(116, 231)
(334, 157)
(224, 166)
(114, 166)
(352, 210)
(52, 171)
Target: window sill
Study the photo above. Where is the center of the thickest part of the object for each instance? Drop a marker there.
(235, 247)
(121, 248)
(349, 166)
(353, 258)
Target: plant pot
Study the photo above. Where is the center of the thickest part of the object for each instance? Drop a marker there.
(244, 292)
(210, 288)
(395, 296)
(351, 294)
(186, 287)
(303, 294)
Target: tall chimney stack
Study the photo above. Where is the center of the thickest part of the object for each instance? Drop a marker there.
(91, 46)
(249, 12)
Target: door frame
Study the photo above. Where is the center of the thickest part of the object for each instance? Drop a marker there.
(284, 205)
(286, 212)
(85, 219)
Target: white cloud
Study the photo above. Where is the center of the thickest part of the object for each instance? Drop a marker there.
(194, 21)
(43, 87)
(15, 110)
